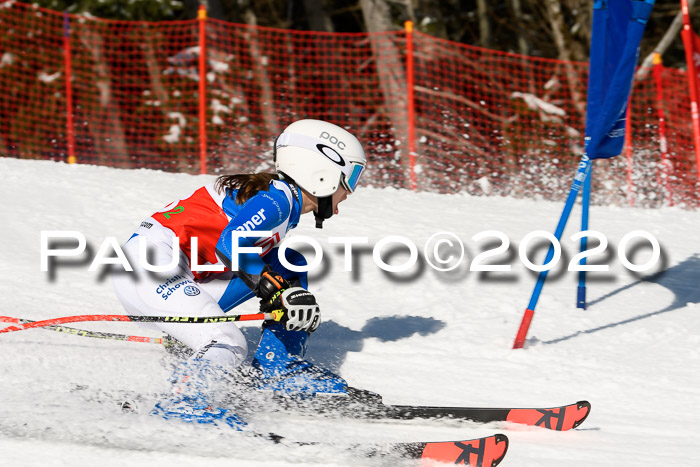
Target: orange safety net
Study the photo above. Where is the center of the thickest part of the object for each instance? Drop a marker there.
(477, 121)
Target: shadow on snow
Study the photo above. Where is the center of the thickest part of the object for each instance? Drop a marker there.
(682, 280)
(329, 345)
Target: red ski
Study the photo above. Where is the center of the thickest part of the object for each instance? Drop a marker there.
(481, 452)
(562, 418)
(488, 451)
(361, 403)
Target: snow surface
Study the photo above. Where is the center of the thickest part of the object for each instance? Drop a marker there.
(419, 337)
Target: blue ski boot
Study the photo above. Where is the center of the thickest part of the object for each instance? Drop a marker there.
(281, 367)
(192, 396)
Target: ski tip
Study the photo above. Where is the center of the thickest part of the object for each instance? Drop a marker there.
(584, 409)
(483, 452)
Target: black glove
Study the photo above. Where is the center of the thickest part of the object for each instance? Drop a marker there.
(295, 307)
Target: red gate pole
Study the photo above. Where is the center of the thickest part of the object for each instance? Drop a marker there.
(67, 62)
(663, 142)
(410, 103)
(687, 34)
(202, 20)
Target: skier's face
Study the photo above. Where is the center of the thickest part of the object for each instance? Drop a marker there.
(310, 202)
(340, 195)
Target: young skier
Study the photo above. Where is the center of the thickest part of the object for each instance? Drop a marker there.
(318, 164)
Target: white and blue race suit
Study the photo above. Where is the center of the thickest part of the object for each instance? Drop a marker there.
(210, 217)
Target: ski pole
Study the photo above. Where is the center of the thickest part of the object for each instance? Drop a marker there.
(167, 341)
(97, 334)
(273, 316)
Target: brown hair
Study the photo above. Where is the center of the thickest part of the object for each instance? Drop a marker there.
(247, 185)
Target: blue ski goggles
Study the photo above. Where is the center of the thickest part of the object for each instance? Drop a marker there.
(350, 171)
(350, 181)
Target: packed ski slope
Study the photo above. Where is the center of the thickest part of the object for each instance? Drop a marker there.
(416, 337)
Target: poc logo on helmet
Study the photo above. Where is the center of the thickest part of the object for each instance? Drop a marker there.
(333, 140)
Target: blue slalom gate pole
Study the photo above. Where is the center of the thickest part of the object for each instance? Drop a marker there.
(616, 32)
(579, 179)
(585, 206)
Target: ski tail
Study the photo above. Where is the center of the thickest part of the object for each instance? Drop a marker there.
(480, 452)
(561, 418)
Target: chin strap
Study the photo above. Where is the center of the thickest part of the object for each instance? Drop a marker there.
(324, 211)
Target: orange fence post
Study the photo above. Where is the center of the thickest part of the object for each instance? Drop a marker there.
(202, 19)
(70, 135)
(410, 103)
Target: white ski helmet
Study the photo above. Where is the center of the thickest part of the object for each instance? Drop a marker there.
(318, 156)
